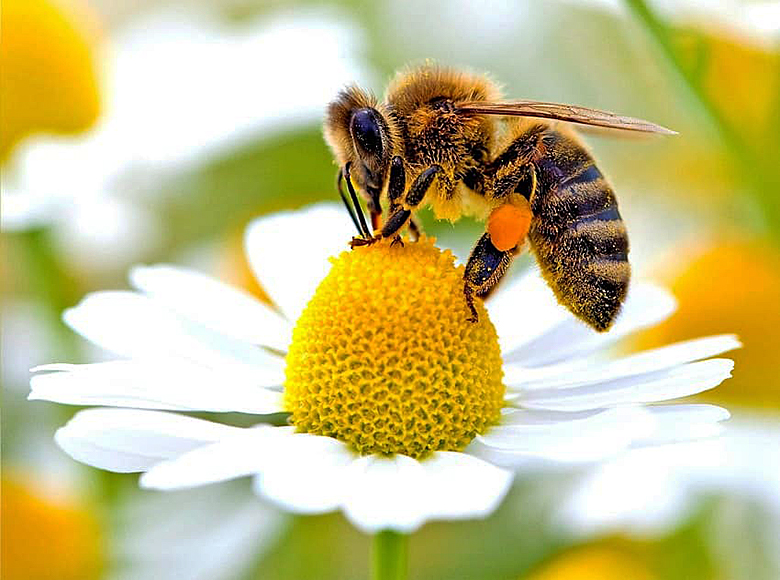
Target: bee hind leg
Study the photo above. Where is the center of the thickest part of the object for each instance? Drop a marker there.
(485, 268)
(507, 228)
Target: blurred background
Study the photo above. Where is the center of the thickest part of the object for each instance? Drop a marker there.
(154, 130)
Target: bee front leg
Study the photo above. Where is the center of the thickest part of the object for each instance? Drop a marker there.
(401, 214)
(395, 189)
(396, 183)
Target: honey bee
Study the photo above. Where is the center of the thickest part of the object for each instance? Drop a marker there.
(445, 138)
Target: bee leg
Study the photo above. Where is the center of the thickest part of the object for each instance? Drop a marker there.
(468, 293)
(414, 229)
(484, 269)
(394, 224)
(395, 189)
(414, 197)
(396, 183)
(507, 228)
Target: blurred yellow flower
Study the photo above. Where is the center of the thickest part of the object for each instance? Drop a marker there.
(738, 76)
(48, 73)
(46, 538)
(732, 285)
(595, 562)
(735, 76)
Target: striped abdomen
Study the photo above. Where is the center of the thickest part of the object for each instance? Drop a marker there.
(577, 233)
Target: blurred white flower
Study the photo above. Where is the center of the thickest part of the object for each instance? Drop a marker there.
(26, 340)
(756, 21)
(651, 491)
(192, 343)
(198, 534)
(180, 87)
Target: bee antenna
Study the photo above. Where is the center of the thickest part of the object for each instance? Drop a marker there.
(351, 213)
(358, 209)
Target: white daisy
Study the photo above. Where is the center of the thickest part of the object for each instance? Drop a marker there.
(406, 415)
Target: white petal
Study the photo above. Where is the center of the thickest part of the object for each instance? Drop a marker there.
(655, 386)
(222, 308)
(126, 440)
(301, 472)
(677, 423)
(645, 305)
(306, 473)
(211, 534)
(637, 492)
(132, 325)
(581, 437)
(462, 486)
(401, 493)
(523, 309)
(239, 455)
(171, 384)
(385, 494)
(312, 474)
(289, 252)
(543, 416)
(657, 359)
(652, 489)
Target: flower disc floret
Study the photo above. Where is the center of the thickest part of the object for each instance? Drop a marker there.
(385, 359)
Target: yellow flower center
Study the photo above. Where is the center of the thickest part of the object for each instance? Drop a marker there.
(384, 358)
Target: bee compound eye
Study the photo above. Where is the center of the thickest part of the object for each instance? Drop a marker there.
(366, 131)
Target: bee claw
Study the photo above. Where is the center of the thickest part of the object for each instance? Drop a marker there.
(468, 294)
(357, 241)
(397, 241)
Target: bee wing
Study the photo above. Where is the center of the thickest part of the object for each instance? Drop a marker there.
(568, 113)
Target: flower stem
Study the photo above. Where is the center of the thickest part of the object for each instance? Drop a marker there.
(390, 551)
(51, 285)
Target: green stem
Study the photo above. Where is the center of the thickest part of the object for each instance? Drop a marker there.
(390, 554)
(51, 285)
(760, 177)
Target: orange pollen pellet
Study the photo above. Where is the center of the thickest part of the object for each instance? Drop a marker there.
(509, 224)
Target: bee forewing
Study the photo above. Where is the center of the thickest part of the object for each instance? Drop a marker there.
(568, 113)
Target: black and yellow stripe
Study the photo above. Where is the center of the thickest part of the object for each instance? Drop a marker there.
(577, 233)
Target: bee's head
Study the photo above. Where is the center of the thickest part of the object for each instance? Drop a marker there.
(361, 132)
